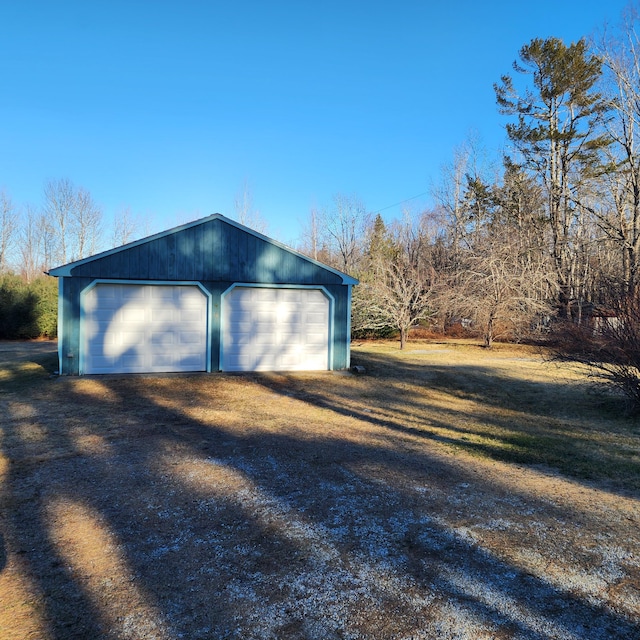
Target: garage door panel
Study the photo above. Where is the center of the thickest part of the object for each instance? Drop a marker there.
(106, 299)
(263, 315)
(103, 314)
(315, 307)
(163, 315)
(144, 328)
(313, 343)
(133, 315)
(133, 293)
(102, 362)
(105, 307)
(263, 295)
(271, 329)
(191, 338)
(235, 342)
(159, 360)
(191, 362)
(240, 362)
(265, 339)
(241, 321)
(162, 339)
(190, 315)
(131, 338)
(109, 339)
(290, 317)
(264, 328)
(130, 360)
(162, 293)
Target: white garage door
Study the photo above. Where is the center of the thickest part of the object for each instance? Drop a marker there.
(144, 329)
(268, 329)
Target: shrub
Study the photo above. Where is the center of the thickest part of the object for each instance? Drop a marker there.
(611, 350)
(27, 310)
(45, 289)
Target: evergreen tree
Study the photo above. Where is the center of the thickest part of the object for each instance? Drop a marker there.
(558, 136)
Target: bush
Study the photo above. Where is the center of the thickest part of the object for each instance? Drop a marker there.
(611, 350)
(425, 333)
(457, 330)
(380, 333)
(28, 310)
(45, 289)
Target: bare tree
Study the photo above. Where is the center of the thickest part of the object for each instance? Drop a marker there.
(58, 207)
(502, 277)
(33, 236)
(619, 215)
(310, 238)
(74, 218)
(449, 195)
(124, 227)
(398, 288)
(87, 224)
(341, 231)
(245, 212)
(8, 228)
(500, 289)
(128, 227)
(469, 165)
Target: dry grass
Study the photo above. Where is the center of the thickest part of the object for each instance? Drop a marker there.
(450, 492)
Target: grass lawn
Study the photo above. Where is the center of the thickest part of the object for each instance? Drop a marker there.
(449, 492)
(510, 404)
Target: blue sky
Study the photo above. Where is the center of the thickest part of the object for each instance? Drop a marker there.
(171, 107)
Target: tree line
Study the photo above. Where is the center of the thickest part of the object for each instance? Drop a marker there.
(68, 225)
(550, 234)
(552, 231)
(546, 242)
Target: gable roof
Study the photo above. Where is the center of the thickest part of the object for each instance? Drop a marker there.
(66, 269)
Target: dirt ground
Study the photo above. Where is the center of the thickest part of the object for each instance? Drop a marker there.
(306, 506)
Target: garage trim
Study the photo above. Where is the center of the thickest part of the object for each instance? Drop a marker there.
(256, 285)
(171, 283)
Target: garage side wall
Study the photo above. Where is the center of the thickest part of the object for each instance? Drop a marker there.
(341, 325)
(69, 324)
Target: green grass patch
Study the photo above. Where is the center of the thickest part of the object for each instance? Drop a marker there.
(509, 404)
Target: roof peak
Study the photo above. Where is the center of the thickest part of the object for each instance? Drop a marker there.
(65, 269)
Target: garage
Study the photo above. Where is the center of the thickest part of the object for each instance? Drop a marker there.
(208, 295)
(275, 329)
(134, 328)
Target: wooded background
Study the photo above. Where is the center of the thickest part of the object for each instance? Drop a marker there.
(549, 232)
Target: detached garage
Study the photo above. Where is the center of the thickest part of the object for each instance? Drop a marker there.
(210, 295)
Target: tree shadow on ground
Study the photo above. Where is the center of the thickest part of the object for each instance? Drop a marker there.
(526, 422)
(225, 529)
(3, 553)
(23, 362)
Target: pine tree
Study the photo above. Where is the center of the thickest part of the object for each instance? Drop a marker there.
(558, 136)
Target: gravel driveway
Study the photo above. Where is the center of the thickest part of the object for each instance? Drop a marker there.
(267, 507)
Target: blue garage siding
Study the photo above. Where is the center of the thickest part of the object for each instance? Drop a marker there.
(69, 324)
(213, 250)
